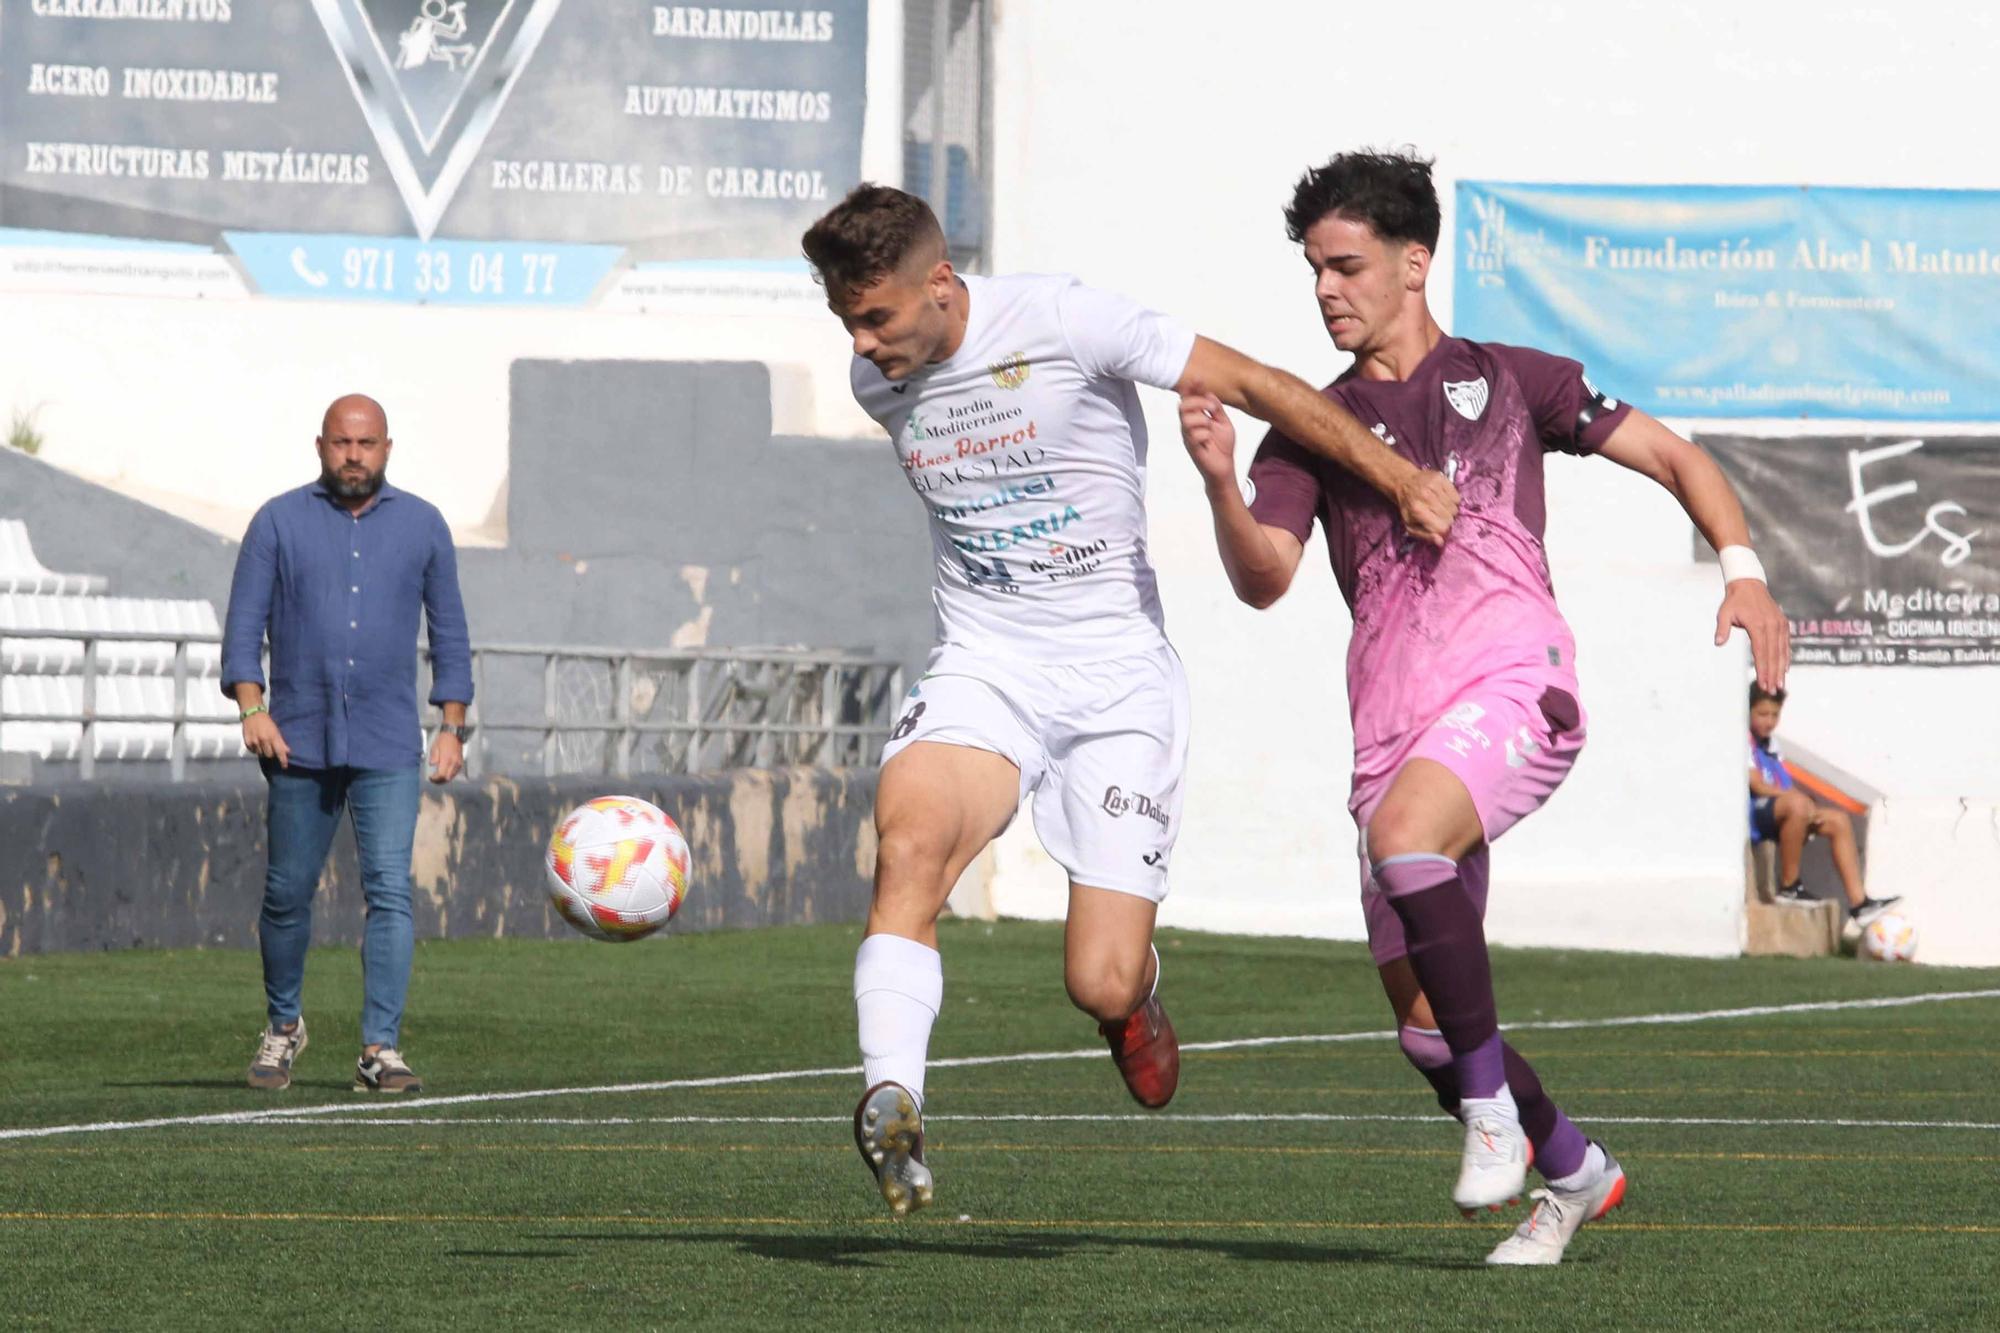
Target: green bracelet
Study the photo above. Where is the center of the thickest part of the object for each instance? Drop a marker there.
(252, 711)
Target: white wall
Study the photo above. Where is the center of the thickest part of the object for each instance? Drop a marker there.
(1943, 858)
(210, 407)
(1150, 147)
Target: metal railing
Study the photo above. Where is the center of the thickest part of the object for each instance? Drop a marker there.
(600, 710)
(617, 711)
(89, 715)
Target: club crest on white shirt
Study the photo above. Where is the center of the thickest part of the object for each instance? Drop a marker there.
(1467, 397)
(1010, 371)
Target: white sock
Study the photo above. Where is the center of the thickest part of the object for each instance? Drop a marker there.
(1500, 1104)
(898, 987)
(1156, 971)
(1593, 1162)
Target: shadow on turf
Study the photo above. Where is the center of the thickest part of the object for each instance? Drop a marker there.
(227, 1084)
(851, 1251)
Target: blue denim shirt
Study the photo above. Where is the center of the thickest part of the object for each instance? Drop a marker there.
(339, 595)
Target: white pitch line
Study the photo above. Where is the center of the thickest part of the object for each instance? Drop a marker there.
(965, 1062)
(339, 1108)
(1140, 1118)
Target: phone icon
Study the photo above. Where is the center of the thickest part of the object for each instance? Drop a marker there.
(312, 276)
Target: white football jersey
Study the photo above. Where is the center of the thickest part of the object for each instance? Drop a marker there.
(1028, 450)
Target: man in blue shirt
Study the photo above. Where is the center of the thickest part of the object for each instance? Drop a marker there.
(336, 573)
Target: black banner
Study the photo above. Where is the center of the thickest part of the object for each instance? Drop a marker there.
(1883, 549)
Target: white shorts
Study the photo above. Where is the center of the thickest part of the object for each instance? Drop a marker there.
(1102, 746)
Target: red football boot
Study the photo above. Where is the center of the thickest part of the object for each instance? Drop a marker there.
(1147, 1053)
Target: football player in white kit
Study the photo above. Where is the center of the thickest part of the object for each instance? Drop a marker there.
(1013, 407)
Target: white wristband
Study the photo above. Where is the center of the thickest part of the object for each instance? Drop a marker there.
(1740, 562)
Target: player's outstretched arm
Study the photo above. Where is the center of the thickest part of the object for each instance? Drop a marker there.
(1684, 468)
(1259, 559)
(1426, 501)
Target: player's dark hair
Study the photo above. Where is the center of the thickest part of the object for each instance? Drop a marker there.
(1758, 694)
(1391, 192)
(868, 235)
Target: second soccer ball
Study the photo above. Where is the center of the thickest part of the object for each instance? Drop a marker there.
(1889, 938)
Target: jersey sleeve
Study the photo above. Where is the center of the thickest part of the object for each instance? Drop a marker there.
(1113, 336)
(1285, 486)
(1572, 415)
(870, 389)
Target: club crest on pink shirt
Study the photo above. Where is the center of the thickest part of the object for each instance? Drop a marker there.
(1467, 397)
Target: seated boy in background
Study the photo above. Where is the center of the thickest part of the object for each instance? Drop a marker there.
(1780, 812)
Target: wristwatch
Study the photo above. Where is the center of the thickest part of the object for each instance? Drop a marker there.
(457, 729)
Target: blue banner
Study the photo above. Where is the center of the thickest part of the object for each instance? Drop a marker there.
(1745, 301)
(388, 268)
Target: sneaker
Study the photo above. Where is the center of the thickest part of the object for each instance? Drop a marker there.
(1795, 894)
(1870, 908)
(889, 1131)
(385, 1071)
(1147, 1053)
(1494, 1168)
(1559, 1215)
(271, 1069)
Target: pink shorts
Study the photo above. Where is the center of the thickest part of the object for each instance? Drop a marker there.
(1511, 741)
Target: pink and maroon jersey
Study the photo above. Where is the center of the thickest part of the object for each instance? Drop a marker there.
(1430, 622)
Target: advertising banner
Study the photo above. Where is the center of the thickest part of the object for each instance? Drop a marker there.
(1883, 550)
(1745, 301)
(438, 151)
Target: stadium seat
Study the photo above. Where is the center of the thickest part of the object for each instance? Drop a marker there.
(20, 572)
(41, 679)
(31, 702)
(63, 741)
(115, 615)
(28, 697)
(64, 657)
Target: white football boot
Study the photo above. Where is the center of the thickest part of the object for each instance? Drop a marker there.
(889, 1131)
(1559, 1214)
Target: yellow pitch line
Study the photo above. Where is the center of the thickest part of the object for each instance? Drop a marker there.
(1543, 1049)
(1039, 1224)
(377, 1148)
(1407, 1092)
(966, 1149)
(508, 1219)
(1640, 1052)
(961, 1149)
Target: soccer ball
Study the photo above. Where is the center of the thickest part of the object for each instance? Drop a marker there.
(1889, 938)
(617, 868)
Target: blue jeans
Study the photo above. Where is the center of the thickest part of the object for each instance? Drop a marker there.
(304, 811)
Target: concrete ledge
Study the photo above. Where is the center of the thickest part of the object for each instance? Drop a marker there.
(96, 867)
(1789, 930)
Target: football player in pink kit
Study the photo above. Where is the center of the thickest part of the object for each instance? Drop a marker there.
(1461, 671)
(1012, 406)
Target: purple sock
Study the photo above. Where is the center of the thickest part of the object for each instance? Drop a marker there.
(1425, 1049)
(1559, 1145)
(1447, 948)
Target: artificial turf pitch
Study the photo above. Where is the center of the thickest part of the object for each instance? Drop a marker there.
(1060, 1204)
